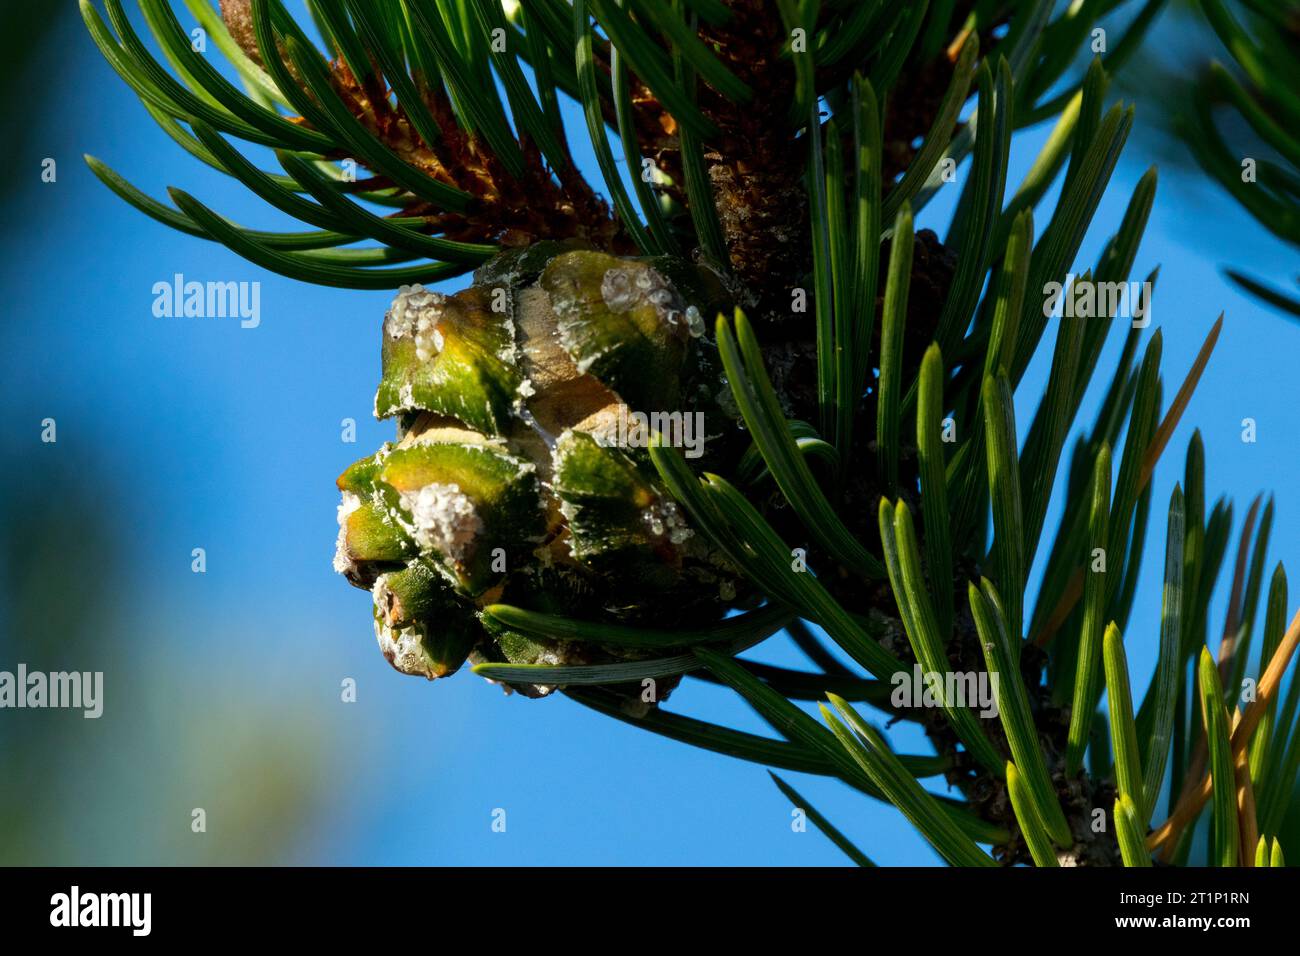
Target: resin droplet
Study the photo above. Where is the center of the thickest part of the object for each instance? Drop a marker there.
(415, 312)
(342, 562)
(444, 519)
(664, 518)
(618, 290)
(694, 322)
(623, 289)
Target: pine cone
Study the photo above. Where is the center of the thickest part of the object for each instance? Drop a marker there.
(520, 474)
(239, 21)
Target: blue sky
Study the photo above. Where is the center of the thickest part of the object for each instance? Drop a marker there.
(223, 688)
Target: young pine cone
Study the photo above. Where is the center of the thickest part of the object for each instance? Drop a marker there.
(520, 473)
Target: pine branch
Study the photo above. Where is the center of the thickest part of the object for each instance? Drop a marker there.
(756, 156)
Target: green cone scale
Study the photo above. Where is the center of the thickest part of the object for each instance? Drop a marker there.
(449, 355)
(520, 474)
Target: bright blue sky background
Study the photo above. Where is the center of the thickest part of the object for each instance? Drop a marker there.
(223, 688)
